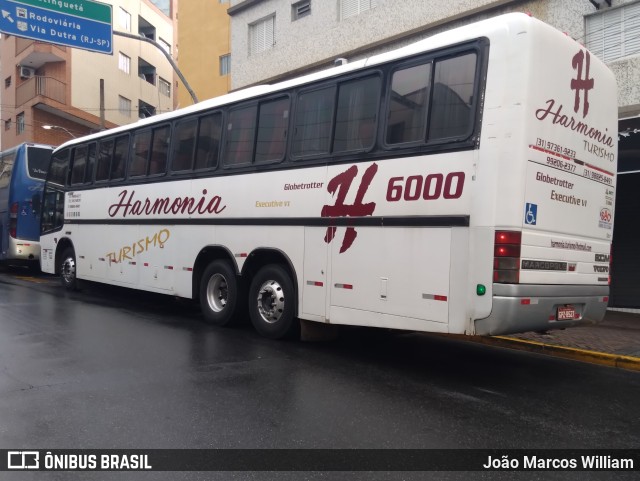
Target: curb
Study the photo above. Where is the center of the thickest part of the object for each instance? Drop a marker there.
(593, 357)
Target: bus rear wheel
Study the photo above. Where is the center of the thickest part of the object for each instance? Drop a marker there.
(271, 303)
(219, 293)
(68, 270)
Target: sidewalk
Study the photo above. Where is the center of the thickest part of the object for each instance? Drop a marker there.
(614, 342)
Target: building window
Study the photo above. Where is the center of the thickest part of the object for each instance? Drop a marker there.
(20, 123)
(146, 71)
(350, 8)
(165, 45)
(145, 29)
(145, 110)
(125, 20)
(7, 124)
(124, 106)
(225, 64)
(614, 33)
(262, 35)
(7, 82)
(124, 63)
(164, 87)
(300, 9)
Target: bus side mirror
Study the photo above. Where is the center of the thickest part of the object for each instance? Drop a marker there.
(35, 204)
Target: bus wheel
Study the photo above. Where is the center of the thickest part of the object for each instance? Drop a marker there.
(271, 303)
(68, 270)
(219, 293)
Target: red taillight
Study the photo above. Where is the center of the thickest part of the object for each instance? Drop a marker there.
(13, 220)
(506, 257)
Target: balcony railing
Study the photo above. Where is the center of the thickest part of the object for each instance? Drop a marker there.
(41, 86)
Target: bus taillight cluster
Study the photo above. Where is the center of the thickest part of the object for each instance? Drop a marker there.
(506, 257)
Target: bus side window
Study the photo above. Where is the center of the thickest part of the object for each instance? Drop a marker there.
(356, 114)
(91, 163)
(408, 102)
(312, 123)
(59, 170)
(6, 167)
(159, 150)
(273, 121)
(451, 114)
(141, 145)
(241, 131)
(120, 157)
(78, 165)
(104, 160)
(183, 143)
(208, 142)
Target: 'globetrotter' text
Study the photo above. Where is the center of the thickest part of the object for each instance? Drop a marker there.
(128, 204)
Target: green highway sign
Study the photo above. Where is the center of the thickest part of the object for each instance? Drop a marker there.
(75, 23)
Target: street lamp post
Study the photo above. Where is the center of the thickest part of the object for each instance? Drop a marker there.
(57, 127)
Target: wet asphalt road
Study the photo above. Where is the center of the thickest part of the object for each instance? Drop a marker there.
(114, 368)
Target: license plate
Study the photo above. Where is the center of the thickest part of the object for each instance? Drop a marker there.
(566, 313)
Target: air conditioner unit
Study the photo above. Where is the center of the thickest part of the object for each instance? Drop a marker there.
(27, 72)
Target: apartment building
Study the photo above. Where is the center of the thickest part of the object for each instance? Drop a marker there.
(274, 40)
(52, 93)
(204, 41)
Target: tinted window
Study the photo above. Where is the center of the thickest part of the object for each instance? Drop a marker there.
(241, 131)
(38, 162)
(6, 167)
(79, 165)
(312, 123)
(184, 141)
(159, 150)
(91, 162)
(209, 137)
(59, 167)
(52, 209)
(356, 114)
(105, 153)
(120, 155)
(140, 154)
(408, 101)
(273, 120)
(453, 87)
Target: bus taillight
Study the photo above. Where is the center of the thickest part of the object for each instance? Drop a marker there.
(506, 257)
(13, 220)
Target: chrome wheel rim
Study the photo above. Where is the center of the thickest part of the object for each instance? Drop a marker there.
(68, 271)
(217, 292)
(271, 301)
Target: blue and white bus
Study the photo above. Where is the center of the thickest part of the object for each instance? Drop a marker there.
(22, 173)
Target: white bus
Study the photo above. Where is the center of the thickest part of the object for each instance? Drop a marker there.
(462, 184)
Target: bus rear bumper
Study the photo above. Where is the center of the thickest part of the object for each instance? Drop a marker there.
(522, 308)
(23, 250)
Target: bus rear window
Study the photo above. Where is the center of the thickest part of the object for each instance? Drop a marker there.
(38, 162)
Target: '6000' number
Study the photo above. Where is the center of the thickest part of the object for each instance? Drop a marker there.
(431, 187)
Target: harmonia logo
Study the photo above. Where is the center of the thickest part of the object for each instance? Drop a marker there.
(580, 61)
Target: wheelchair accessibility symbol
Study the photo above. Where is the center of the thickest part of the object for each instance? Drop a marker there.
(530, 213)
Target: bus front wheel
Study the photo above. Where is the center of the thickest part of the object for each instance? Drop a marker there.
(271, 303)
(68, 270)
(219, 293)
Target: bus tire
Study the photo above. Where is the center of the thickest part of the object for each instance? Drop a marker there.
(68, 273)
(272, 303)
(219, 293)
